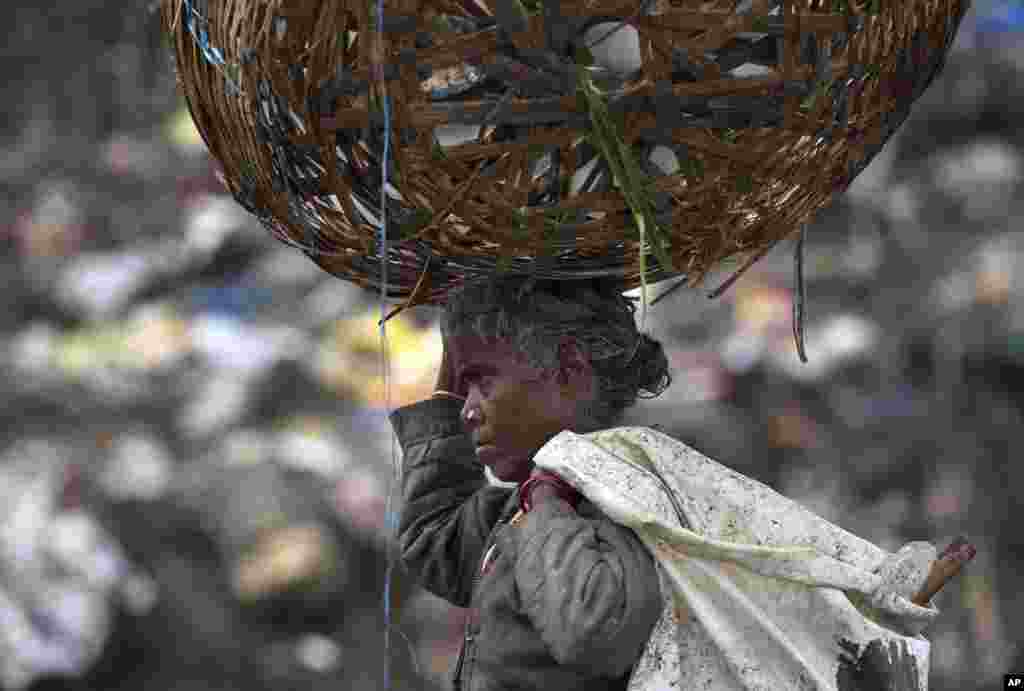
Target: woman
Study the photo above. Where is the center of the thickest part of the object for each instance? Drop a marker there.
(560, 596)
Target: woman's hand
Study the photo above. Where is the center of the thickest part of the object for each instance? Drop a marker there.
(543, 485)
(543, 492)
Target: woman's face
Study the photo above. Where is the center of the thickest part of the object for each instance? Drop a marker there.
(516, 407)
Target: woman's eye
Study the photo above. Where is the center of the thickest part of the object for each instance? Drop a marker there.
(481, 381)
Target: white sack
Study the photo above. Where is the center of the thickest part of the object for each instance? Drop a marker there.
(759, 591)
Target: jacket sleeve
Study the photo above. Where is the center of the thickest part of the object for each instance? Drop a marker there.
(589, 586)
(448, 507)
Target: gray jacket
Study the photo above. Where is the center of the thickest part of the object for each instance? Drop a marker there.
(569, 599)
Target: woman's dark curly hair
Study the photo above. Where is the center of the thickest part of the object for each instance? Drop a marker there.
(536, 316)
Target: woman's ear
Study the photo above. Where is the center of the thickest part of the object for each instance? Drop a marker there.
(574, 369)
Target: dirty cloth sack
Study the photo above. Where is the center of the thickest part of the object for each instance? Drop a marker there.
(760, 593)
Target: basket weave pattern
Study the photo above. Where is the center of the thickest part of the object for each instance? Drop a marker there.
(744, 119)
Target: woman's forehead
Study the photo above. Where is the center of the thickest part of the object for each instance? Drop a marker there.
(471, 349)
(467, 344)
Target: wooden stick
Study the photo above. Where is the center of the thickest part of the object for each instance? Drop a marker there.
(948, 565)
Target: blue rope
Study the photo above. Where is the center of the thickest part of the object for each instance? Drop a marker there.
(196, 24)
(212, 54)
(391, 519)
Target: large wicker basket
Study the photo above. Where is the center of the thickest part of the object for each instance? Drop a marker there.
(556, 139)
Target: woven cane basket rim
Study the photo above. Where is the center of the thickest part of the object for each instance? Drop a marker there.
(287, 95)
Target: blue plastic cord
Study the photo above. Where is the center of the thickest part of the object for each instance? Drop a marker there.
(390, 519)
(196, 24)
(197, 27)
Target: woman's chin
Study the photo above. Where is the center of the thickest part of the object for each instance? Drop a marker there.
(507, 476)
(508, 470)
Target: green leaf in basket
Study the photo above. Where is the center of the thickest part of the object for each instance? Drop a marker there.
(583, 56)
(660, 244)
(729, 136)
(582, 103)
(606, 135)
(819, 92)
(534, 154)
(563, 217)
(875, 7)
(550, 235)
(745, 183)
(437, 152)
(440, 23)
(553, 220)
(643, 270)
(520, 227)
(247, 169)
(530, 6)
(416, 222)
(503, 264)
(692, 167)
(617, 120)
(760, 25)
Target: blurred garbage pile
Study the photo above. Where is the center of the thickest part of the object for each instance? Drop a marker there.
(193, 426)
(59, 572)
(119, 579)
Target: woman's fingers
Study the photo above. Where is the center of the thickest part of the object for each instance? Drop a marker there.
(446, 372)
(948, 565)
